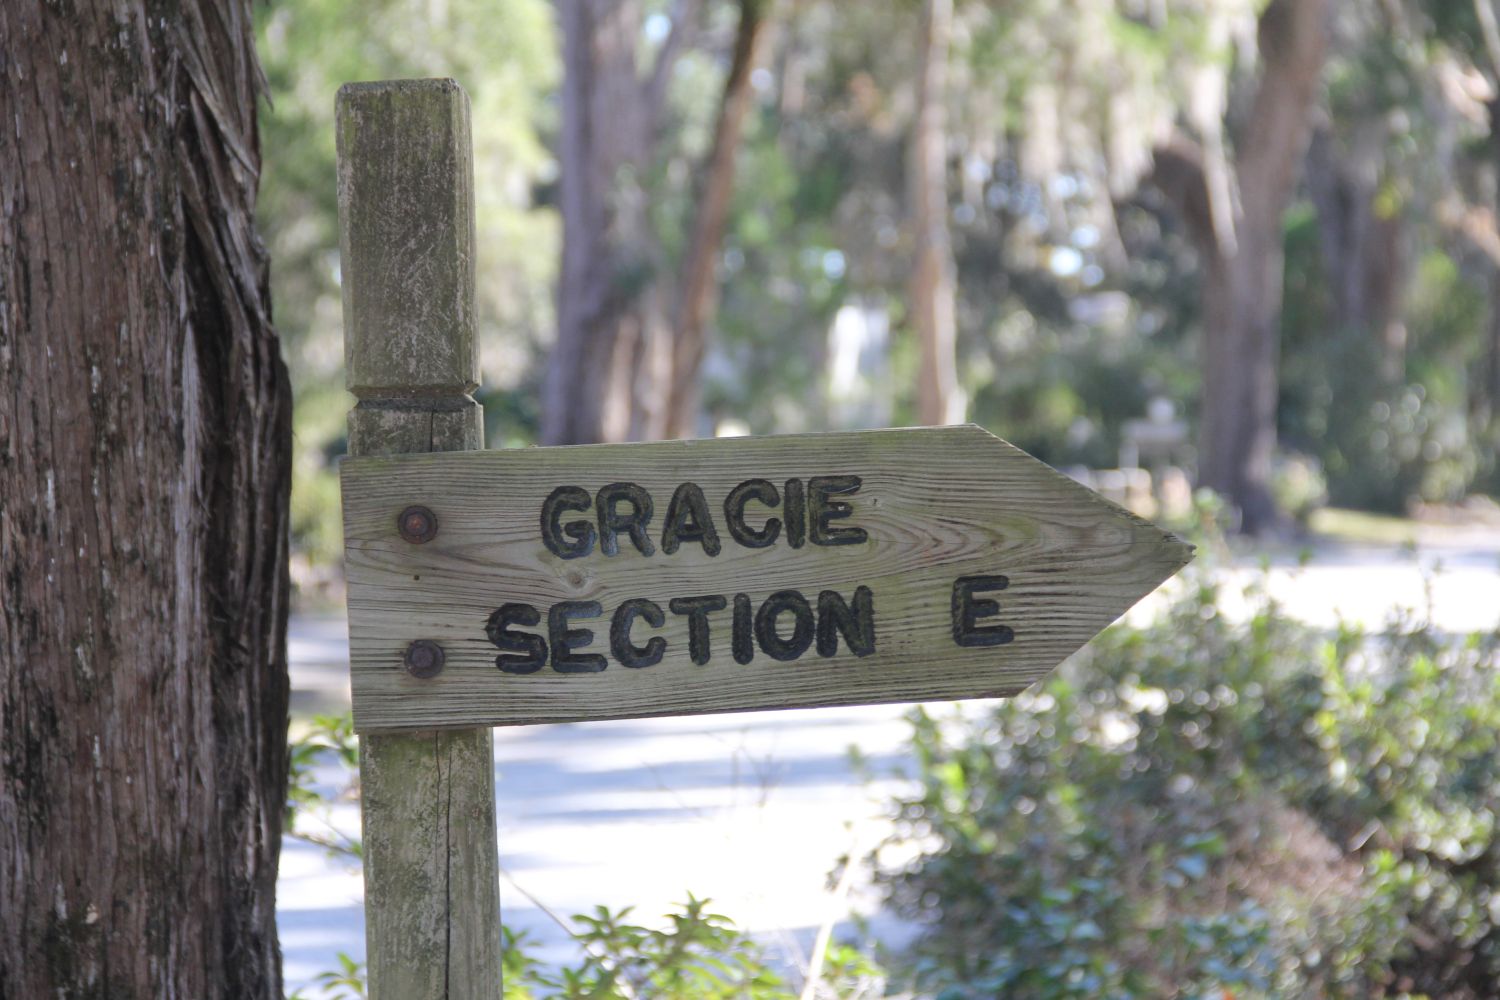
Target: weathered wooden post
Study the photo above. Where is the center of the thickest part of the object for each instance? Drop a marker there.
(406, 209)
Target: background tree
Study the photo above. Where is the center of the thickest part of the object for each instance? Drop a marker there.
(1241, 246)
(698, 286)
(933, 296)
(145, 437)
(626, 361)
(1391, 252)
(1079, 291)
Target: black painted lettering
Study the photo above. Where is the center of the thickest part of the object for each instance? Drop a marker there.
(762, 490)
(612, 521)
(532, 647)
(565, 640)
(968, 609)
(574, 539)
(697, 610)
(796, 514)
(742, 637)
(821, 509)
(856, 624)
(771, 642)
(625, 651)
(688, 520)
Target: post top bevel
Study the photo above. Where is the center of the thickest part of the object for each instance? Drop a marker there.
(434, 84)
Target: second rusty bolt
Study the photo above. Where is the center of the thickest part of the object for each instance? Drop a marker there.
(417, 524)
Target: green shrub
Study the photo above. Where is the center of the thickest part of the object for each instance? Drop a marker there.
(307, 814)
(700, 955)
(1213, 809)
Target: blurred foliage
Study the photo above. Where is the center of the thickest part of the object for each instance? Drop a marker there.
(1212, 808)
(1078, 289)
(697, 955)
(1394, 407)
(322, 740)
(1384, 442)
(347, 982)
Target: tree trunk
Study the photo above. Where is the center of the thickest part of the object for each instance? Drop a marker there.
(1243, 273)
(1241, 309)
(698, 293)
(932, 285)
(596, 293)
(1491, 388)
(1479, 226)
(145, 441)
(1488, 404)
(626, 362)
(1361, 249)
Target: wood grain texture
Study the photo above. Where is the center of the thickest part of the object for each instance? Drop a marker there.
(432, 898)
(432, 902)
(406, 209)
(937, 503)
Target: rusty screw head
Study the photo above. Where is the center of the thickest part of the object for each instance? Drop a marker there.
(424, 659)
(417, 524)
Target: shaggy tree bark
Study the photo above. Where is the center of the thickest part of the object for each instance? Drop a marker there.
(626, 361)
(144, 441)
(1243, 267)
(932, 284)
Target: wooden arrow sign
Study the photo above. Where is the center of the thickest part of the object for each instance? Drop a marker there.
(618, 581)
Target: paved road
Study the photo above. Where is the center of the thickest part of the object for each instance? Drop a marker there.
(753, 810)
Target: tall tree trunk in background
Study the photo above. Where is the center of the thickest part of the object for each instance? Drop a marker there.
(698, 290)
(627, 361)
(1361, 248)
(1243, 269)
(1481, 226)
(932, 285)
(604, 263)
(1491, 388)
(145, 440)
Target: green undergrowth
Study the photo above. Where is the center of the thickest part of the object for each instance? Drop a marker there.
(696, 955)
(1212, 808)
